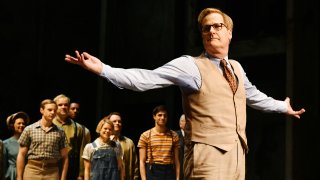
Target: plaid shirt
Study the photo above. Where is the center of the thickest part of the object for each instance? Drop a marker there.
(42, 144)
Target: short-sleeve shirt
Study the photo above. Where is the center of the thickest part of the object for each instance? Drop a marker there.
(43, 144)
(89, 149)
(160, 145)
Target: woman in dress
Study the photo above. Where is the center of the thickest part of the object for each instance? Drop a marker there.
(16, 123)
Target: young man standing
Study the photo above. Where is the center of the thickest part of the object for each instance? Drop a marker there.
(74, 114)
(75, 136)
(130, 158)
(43, 144)
(159, 150)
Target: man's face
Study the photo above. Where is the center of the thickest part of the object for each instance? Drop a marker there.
(49, 111)
(215, 40)
(161, 118)
(117, 122)
(74, 110)
(63, 107)
(182, 123)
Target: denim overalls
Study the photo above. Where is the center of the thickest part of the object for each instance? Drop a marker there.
(104, 163)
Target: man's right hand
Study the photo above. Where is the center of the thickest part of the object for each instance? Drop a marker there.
(86, 61)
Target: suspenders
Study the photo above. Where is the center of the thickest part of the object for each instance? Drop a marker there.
(151, 156)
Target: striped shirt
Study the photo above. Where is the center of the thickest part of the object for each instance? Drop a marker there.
(43, 144)
(160, 147)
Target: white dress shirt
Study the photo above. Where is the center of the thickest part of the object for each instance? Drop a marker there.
(183, 72)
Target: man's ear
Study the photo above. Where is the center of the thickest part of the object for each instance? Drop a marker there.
(230, 35)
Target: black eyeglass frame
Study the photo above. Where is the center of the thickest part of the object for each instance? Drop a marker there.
(216, 26)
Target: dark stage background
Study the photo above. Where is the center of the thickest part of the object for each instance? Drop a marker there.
(276, 41)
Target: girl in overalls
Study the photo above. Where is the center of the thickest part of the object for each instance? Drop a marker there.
(103, 157)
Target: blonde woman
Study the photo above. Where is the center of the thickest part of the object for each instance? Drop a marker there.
(103, 157)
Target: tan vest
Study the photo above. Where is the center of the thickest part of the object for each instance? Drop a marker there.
(215, 116)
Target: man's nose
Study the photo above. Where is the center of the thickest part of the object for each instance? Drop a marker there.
(212, 29)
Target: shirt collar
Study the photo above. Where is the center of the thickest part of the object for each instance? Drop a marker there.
(38, 125)
(216, 60)
(57, 121)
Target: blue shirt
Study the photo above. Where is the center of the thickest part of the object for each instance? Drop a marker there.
(10, 157)
(183, 72)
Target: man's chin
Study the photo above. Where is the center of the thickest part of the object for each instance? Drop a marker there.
(116, 130)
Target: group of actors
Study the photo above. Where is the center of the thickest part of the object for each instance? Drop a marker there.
(215, 94)
(59, 147)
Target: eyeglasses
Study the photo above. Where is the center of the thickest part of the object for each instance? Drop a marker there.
(216, 27)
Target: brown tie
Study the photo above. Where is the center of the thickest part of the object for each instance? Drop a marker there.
(228, 75)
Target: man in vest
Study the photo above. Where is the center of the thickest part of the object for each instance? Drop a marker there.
(75, 135)
(215, 92)
(74, 114)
